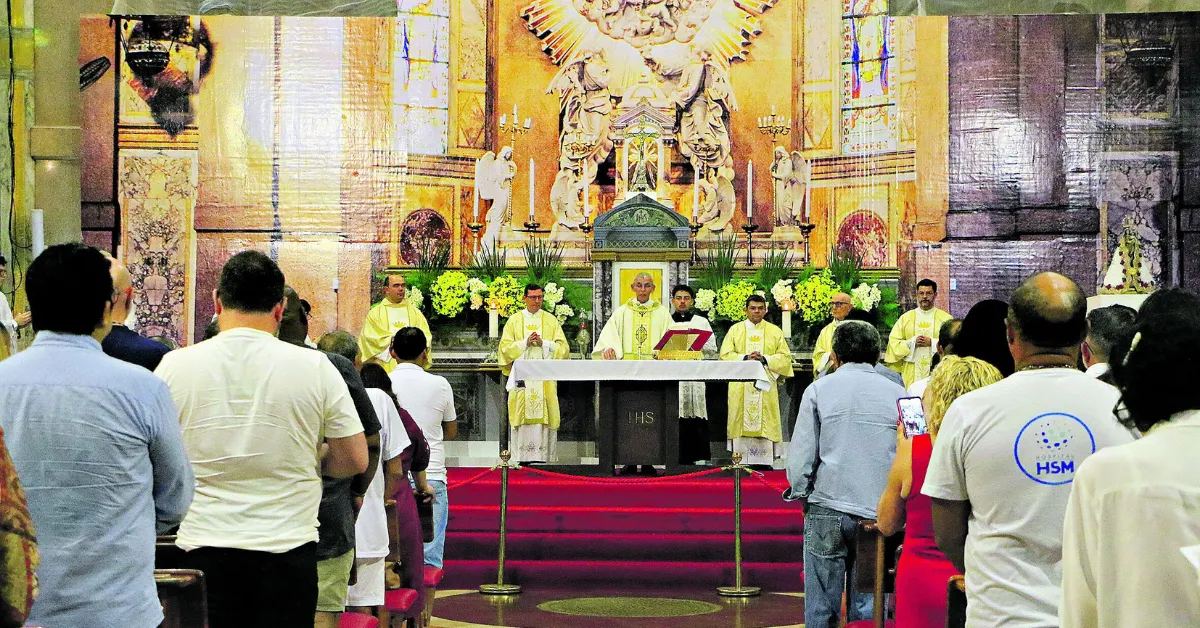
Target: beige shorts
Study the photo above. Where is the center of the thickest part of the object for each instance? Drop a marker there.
(333, 578)
(368, 591)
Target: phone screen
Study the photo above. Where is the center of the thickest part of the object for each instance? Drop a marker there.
(912, 415)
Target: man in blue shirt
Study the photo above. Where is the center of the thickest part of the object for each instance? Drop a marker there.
(837, 463)
(122, 342)
(97, 446)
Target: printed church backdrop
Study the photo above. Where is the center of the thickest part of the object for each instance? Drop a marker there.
(973, 150)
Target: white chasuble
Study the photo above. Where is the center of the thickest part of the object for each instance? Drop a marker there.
(535, 392)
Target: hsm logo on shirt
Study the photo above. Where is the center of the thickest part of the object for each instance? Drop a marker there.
(1050, 447)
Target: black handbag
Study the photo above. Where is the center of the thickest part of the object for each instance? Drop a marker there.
(425, 514)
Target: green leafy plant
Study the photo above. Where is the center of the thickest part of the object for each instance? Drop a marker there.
(889, 306)
(431, 262)
(845, 268)
(489, 263)
(716, 266)
(543, 262)
(775, 266)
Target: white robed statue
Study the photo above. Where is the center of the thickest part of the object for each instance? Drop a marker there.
(493, 179)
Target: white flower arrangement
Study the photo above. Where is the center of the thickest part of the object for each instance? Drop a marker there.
(553, 295)
(476, 300)
(865, 297)
(475, 285)
(415, 297)
(782, 291)
(562, 312)
(705, 299)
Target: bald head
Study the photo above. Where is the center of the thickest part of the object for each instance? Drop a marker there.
(1048, 311)
(842, 305)
(122, 290)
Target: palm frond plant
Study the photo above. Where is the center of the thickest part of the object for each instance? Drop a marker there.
(775, 266)
(543, 261)
(716, 265)
(845, 268)
(431, 262)
(489, 263)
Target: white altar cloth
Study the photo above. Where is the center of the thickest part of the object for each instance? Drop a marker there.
(639, 370)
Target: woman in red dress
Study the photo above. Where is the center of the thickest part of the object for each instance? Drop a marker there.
(923, 571)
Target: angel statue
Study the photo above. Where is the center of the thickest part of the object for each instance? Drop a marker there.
(493, 179)
(716, 200)
(791, 175)
(566, 197)
(704, 100)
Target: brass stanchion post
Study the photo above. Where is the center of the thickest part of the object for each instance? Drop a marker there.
(737, 590)
(500, 588)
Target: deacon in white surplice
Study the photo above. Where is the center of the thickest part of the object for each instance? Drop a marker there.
(693, 410)
(533, 414)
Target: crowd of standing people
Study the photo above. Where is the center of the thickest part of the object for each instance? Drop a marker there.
(1056, 470)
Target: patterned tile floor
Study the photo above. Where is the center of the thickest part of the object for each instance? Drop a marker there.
(469, 609)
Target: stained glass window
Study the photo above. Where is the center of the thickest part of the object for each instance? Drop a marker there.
(869, 111)
(422, 76)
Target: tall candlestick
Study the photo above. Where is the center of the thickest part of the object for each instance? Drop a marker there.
(476, 195)
(587, 209)
(749, 189)
(532, 205)
(695, 195)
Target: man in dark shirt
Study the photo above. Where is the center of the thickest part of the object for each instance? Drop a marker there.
(123, 343)
(339, 497)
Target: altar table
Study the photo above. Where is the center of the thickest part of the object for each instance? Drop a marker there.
(637, 406)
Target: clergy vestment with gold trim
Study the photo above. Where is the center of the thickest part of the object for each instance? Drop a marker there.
(533, 411)
(755, 430)
(903, 354)
(383, 321)
(633, 330)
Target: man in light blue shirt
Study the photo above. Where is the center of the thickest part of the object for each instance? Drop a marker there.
(838, 462)
(96, 444)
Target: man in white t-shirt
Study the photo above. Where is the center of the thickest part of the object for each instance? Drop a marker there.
(262, 421)
(1002, 465)
(430, 401)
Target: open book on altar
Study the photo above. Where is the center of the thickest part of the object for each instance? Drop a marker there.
(682, 344)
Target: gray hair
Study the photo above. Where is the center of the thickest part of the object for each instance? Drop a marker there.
(340, 342)
(856, 341)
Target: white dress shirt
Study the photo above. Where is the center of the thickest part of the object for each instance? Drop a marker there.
(1132, 509)
(1097, 370)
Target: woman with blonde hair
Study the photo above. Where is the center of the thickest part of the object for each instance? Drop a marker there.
(923, 571)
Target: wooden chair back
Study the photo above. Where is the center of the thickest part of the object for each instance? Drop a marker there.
(875, 565)
(956, 602)
(183, 597)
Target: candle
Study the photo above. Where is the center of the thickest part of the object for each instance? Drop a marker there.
(587, 209)
(503, 119)
(515, 118)
(528, 123)
(749, 189)
(493, 320)
(37, 231)
(695, 195)
(476, 195)
(532, 205)
(787, 323)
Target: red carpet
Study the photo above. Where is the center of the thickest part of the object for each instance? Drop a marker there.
(662, 533)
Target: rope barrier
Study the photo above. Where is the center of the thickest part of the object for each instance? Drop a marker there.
(473, 478)
(761, 477)
(584, 480)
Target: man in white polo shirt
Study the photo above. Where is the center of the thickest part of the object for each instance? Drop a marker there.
(262, 421)
(1005, 457)
(430, 401)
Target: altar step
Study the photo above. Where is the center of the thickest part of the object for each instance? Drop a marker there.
(661, 532)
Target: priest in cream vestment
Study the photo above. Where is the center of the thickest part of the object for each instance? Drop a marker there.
(841, 305)
(635, 327)
(386, 318)
(533, 413)
(755, 430)
(913, 341)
